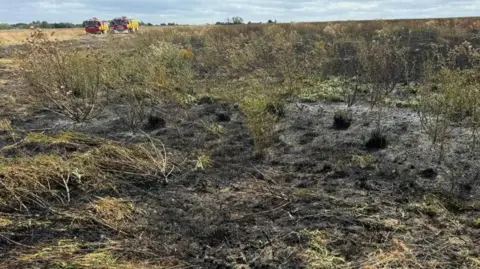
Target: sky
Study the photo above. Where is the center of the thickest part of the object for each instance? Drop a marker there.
(211, 11)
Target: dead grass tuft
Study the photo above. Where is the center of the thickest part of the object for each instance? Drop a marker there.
(4, 222)
(318, 255)
(146, 160)
(38, 180)
(364, 162)
(399, 256)
(5, 125)
(116, 213)
(430, 206)
(45, 178)
(67, 253)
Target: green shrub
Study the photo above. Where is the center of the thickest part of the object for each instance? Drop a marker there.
(383, 65)
(260, 121)
(454, 97)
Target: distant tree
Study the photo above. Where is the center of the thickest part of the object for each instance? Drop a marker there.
(230, 21)
(149, 24)
(44, 24)
(20, 25)
(237, 20)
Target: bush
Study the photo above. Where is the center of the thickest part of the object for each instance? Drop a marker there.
(259, 121)
(384, 68)
(450, 93)
(70, 83)
(455, 99)
(383, 65)
(143, 77)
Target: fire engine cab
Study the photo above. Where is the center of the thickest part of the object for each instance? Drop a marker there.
(96, 26)
(124, 25)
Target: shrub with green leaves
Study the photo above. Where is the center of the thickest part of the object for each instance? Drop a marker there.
(437, 108)
(260, 120)
(450, 93)
(383, 66)
(454, 98)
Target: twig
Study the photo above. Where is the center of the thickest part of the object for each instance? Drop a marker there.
(14, 195)
(263, 212)
(13, 145)
(15, 242)
(268, 178)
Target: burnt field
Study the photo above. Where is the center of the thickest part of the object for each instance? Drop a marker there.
(336, 145)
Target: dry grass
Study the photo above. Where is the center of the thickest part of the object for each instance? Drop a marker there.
(399, 256)
(115, 212)
(43, 180)
(53, 183)
(318, 255)
(445, 26)
(7, 62)
(5, 125)
(14, 37)
(4, 222)
(19, 36)
(366, 161)
(67, 253)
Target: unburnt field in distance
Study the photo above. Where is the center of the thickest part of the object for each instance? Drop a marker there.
(322, 145)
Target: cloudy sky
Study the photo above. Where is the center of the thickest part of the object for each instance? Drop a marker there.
(211, 11)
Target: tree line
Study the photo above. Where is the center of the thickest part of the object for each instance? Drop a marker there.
(60, 25)
(238, 20)
(40, 24)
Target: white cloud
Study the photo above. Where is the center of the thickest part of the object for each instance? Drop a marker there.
(351, 5)
(58, 6)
